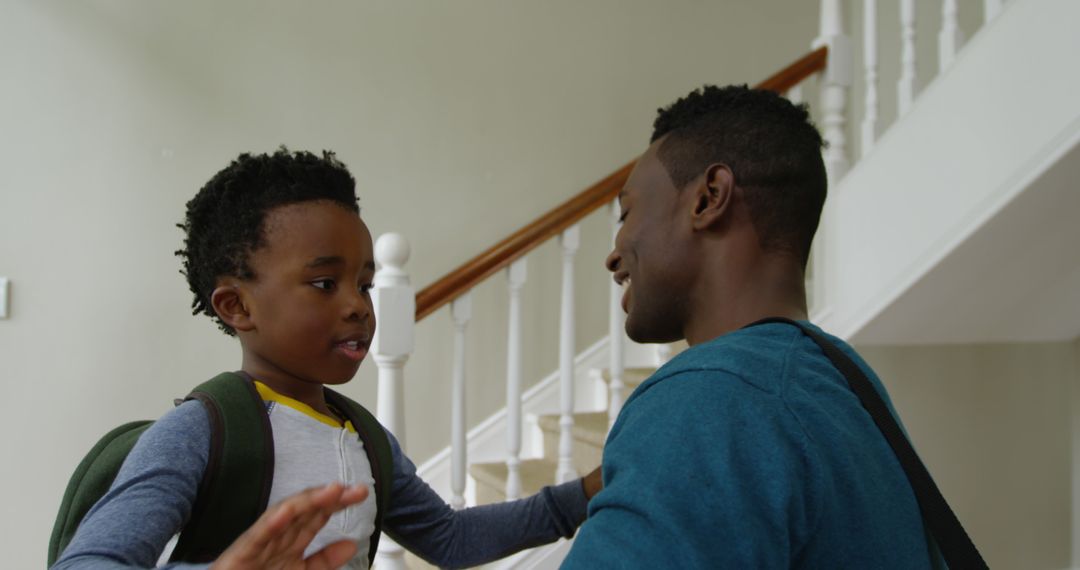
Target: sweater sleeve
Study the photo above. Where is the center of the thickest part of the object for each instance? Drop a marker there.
(151, 498)
(419, 520)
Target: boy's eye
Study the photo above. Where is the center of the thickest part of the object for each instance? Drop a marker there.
(366, 288)
(324, 284)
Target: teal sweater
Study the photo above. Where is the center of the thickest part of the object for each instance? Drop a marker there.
(750, 451)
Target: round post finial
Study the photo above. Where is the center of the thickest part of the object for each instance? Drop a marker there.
(392, 252)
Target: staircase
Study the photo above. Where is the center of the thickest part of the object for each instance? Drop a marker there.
(912, 234)
(589, 432)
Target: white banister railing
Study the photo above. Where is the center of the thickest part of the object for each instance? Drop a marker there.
(834, 86)
(870, 67)
(616, 323)
(515, 279)
(950, 39)
(569, 241)
(907, 85)
(461, 313)
(395, 306)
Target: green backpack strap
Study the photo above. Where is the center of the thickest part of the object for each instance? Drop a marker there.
(90, 481)
(379, 454)
(236, 484)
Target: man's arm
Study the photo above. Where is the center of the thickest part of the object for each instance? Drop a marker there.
(422, 522)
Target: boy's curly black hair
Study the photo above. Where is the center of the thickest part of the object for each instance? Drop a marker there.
(771, 146)
(224, 221)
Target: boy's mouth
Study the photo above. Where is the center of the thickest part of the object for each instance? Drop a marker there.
(352, 349)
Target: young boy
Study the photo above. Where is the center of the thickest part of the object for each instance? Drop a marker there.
(277, 254)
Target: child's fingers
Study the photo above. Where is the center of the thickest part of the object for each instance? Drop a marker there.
(332, 556)
(285, 530)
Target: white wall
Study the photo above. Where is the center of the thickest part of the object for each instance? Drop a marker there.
(995, 425)
(461, 121)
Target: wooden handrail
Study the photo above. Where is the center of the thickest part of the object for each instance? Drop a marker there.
(551, 224)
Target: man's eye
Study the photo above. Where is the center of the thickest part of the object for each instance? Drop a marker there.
(324, 284)
(622, 217)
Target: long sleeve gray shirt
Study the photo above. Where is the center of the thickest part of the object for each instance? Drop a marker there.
(151, 500)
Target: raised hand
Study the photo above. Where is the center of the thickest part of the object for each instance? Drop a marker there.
(278, 539)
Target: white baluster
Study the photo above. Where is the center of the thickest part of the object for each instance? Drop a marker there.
(795, 94)
(570, 240)
(461, 312)
(991, 8)
(616, 331)
(834, 86)
(515, 278)
(870, 65)
(837, 79)
(951, 37)
(395, 312)
(661, 354)
(908, 84)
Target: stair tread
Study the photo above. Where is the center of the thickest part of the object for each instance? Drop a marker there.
(631, 377)
(535, 474)
(589, 427)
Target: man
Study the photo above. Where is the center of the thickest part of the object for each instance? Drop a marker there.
(748, 450)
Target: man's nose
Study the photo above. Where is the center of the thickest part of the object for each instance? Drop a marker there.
(612, 261)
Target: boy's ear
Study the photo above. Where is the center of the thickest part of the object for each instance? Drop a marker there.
(228, 302)
(713, 197)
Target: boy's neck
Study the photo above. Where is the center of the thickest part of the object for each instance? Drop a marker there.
(280, 381)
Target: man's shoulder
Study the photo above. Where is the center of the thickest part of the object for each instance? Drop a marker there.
(747, 358)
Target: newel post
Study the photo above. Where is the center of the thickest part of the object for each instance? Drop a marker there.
(395, 317)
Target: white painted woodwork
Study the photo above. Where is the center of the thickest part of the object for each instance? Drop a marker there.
(795, 94)
(907, 86)
(950, 39)
(834, 85)
(515, 279)
(461, 313)
(661, 354)
(870, 68)
(569, 241)
(394, 302)
(991, 8)
(616, 328)
(907, 274)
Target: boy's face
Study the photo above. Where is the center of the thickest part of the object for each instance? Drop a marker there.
(652, 259)
(309, 304)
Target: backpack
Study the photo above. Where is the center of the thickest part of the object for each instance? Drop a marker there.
(236, 485)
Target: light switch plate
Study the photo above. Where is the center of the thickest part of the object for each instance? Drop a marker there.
(4, 297)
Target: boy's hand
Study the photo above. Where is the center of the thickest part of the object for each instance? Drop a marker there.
(278, 539)
(592, 483)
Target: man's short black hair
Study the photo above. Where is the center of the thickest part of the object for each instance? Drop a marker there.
(771, 146)
(224, 221)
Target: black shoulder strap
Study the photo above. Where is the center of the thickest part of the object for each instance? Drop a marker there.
(379, 454)
(955, 545)
(236, 484)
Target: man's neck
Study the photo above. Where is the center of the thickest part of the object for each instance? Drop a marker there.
(729, 299)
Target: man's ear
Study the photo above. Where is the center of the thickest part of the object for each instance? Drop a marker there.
(713, 197)
(228, 302)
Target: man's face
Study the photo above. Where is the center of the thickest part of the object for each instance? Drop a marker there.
(652, 258)
(310, 300)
